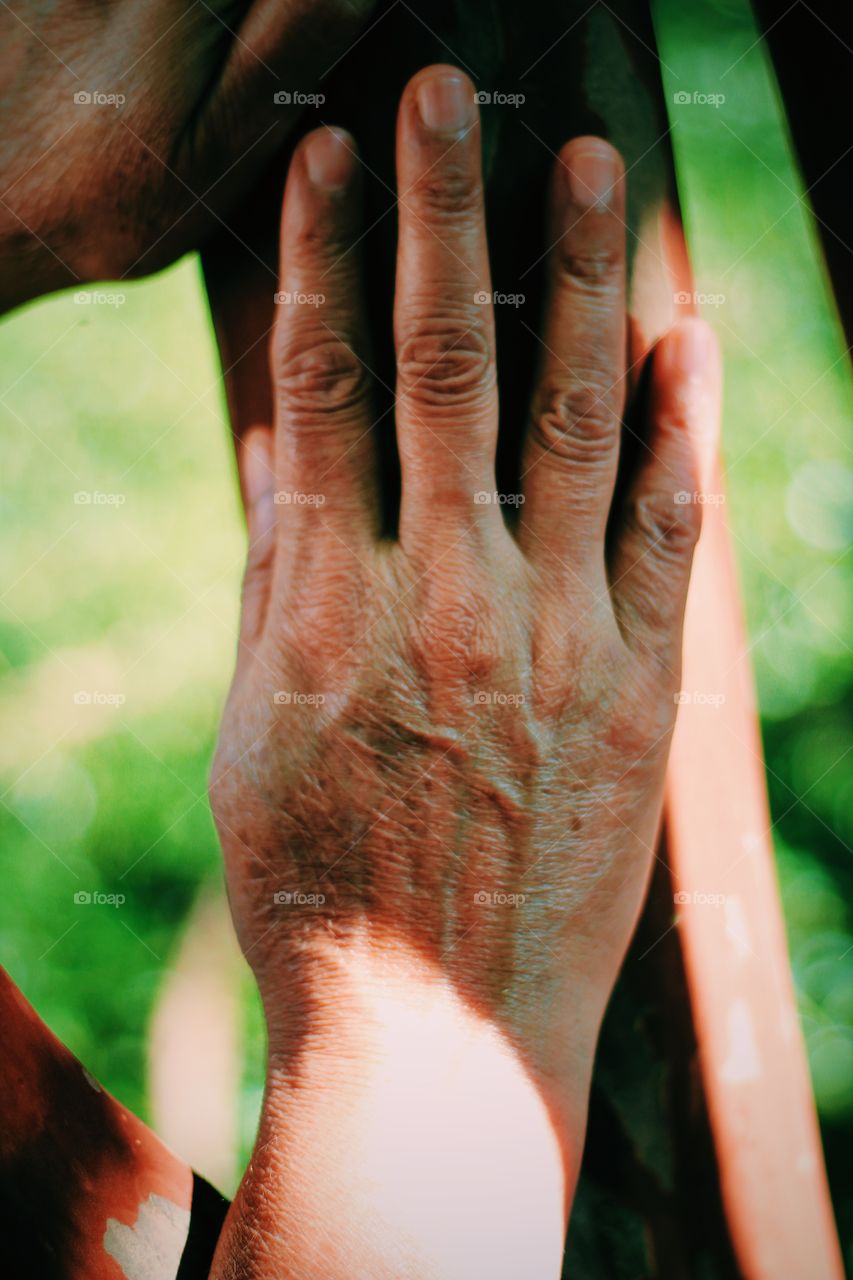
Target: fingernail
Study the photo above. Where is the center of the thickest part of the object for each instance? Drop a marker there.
(329, 158)
(691, 349)
(446, 102)
(593, 173)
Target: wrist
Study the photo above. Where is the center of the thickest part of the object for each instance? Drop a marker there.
(404, 1131)
(359, 1000)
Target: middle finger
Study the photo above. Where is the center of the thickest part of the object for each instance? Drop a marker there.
(443, 323)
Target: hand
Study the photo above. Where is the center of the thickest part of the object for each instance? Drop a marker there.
(178, 110)
(442, 759)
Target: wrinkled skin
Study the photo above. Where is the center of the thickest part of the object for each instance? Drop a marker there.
(472, 709)
(122, 187)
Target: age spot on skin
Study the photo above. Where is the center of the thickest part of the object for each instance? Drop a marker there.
(153, 1246)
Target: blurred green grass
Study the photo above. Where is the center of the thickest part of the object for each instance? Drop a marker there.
(131, 595)
(134, 594)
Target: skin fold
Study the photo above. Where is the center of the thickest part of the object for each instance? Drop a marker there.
(439, 776)
(131, 128)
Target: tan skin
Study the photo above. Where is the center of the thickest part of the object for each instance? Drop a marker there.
(461, 789)
(90, 191)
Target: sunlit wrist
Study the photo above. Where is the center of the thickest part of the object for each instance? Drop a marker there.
(423, 1124)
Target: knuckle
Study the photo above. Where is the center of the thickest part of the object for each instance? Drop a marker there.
(325, 376)
(448, 193)
(456, 635)
(670, 528)
(596, 267)
(444, 359)
(311, 243)
(576, 422)
(635, 723)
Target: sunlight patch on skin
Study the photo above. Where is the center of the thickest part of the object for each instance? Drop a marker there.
(152, 1248)
(438, 1078)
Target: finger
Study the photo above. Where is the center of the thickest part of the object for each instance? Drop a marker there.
(324, 462)
(443, 323)
(653, 552)
(258, 477)
(572, 444)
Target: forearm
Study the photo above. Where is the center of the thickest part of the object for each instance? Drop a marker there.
(403, 1135)
(82, 1180)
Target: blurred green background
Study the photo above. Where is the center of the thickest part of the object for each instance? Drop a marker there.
(129, 596)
